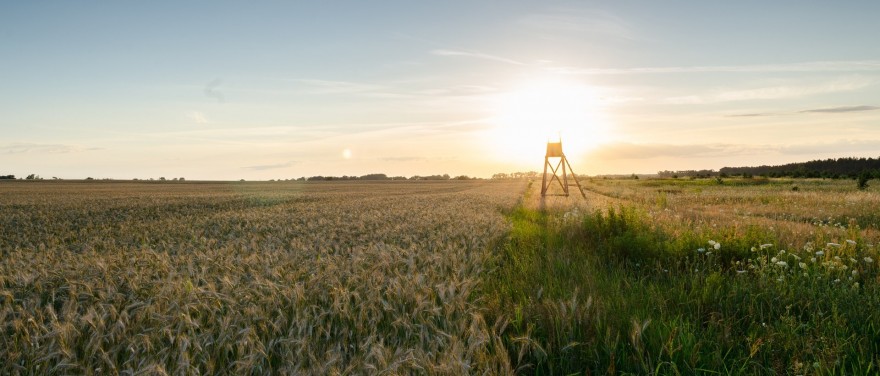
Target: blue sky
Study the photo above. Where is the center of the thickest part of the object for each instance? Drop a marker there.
(230, 90)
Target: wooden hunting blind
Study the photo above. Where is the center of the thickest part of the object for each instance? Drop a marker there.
(554, 150)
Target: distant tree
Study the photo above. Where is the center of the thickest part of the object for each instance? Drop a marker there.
(33, 177)
(863, 180)
(162, 178)
(90, 178)
(182, 179)
(374, 177)
(7, 176)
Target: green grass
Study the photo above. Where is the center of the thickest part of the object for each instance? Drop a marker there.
(609, 292)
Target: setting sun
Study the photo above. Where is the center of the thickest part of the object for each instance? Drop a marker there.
(537, 111)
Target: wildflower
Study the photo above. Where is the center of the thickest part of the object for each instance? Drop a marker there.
(837, 280)
(812, 259)
(780, 279)
(803, 265)
(782, 264)
(856, 285)
(855, 272)
(833, 245)
(851, 242)
(754, 249)
(701, 250)
(820, 253)
(740, 271)
(869, 260)
(781, 251)
(708, 253)
(717, 246)
(774, 260)
(836, 258)
(712, 243)
(852, 260)
(765, 246)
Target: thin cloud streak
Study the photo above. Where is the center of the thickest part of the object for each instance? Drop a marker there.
(271, 167)
(774, 92)
(581, 21)
(842, 109)
(622, 150)
(477, 55)
(27, 147)
(816, 66)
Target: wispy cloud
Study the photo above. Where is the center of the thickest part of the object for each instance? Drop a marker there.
(197, 117)
(271, 166)
(843, 148)
(338, 87)
(581, 21)
(648, 151)
(27, 147)
(212, 92)
(403, 159)
(826, 110)
(754, 114)
(843, 109)
(477, 55)
(816, 66)
(775, 92)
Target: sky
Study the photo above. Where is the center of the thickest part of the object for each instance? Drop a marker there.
(277, 90)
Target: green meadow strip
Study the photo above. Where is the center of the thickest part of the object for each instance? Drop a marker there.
(609, 291)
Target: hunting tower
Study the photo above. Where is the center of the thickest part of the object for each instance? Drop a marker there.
(554, 150)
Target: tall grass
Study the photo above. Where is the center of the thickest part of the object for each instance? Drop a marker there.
(621, 289)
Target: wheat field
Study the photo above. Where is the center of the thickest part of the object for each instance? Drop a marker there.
(248, 278)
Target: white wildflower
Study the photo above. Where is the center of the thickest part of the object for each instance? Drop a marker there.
(765, 246)
(869, 260)
(782, 264)
(803, 265)
(855, 272)
(833, 245)
(820, 253)
(812, 259)
(851, 242)
(717, 246)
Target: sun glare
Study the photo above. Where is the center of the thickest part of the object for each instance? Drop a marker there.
(540, 111)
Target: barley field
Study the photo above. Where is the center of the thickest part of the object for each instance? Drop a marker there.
(647, 276)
